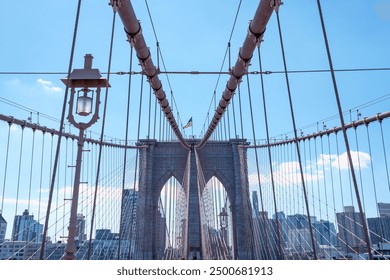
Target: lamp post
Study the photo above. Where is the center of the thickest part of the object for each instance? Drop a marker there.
(88, 82)
(223, 220)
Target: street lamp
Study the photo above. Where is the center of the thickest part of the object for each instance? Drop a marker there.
(89, 81)
(223, 219)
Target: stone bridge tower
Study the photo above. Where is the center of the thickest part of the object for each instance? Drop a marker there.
(159, 161)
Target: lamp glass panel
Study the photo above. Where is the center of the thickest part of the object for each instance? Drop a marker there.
(84, 105)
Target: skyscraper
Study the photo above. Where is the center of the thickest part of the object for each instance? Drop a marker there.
(26, 228)
(325, 233)
(298, 233)
(129, 217)
(80, 234)
(379, 229)
(384, 209)
(351, 235)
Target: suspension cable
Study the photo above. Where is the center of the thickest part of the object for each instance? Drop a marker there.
(102, 135)
(384, 152)
(45, 228)
(15, 238)
(126, 139)
(353, 175)
(256, 29)
(258, 171)
(270, 157)
(135, 177)
(5, 167)
(226, 55)
(295, 134)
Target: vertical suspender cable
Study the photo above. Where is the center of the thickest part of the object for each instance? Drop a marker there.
(296, 137)
(18, 182)
(239, 104)
(126, 141)
(267, 241)
(372, 174)
(135, 174)
(45, 228)
(311, 175)
(353, 175)
(359, 165)
(101, 137)
(31, 169)
(155, 119)
(41, 175)
(150, 111)
(270, 158)
(384, 152)
(340, 178)
(5, 167)
(234, 119)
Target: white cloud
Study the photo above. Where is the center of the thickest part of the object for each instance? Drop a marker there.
(48, 85)
(358, 159)
(286, 174)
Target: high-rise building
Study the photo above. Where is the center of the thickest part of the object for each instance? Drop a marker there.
(129, 220)
(379, 229)
(325, 233)
(3, 228)
(351, 235)
(26, 228)
(298, 233)
(384, 209)
(80, 230)
(129, 214)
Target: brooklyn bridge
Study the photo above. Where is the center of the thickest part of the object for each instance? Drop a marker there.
(202, 131)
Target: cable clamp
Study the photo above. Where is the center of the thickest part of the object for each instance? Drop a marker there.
(276, 4)
(132, 37)
(258, 36)
(116, 4)
(365, 121)
(378, 117)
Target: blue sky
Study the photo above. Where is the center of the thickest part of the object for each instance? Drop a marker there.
(193, 36)
(38, 38)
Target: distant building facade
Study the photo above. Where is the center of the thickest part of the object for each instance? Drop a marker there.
(325, 233)
(379, 229)
(25, 228)
(129, 214)
(384, 209)
(351, 235)
(80, 230)
(3, 228)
